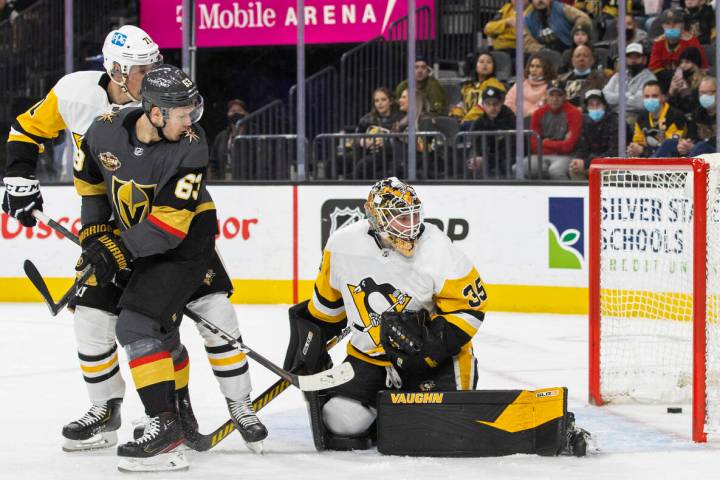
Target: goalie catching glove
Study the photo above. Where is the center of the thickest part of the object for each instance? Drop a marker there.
(414, 341)
(22, 196)
(104, 252)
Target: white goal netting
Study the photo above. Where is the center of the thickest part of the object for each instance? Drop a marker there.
(646, 288)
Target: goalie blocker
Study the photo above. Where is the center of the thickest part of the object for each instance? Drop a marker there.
(478, 423)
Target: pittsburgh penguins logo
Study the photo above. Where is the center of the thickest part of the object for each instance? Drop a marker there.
(132, 201)
(371, 300)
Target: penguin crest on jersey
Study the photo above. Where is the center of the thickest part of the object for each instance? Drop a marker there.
(132, 200)
(371, 300)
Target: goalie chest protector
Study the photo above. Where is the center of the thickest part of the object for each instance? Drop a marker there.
(472, 423)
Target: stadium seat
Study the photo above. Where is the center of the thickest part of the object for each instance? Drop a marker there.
(503, 65)
(710, 55)
(601, 57)
(452, 89)
(610, 30)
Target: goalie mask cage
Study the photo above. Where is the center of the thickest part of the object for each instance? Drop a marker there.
(654, 286)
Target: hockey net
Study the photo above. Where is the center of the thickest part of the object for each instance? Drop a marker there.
(655, 284)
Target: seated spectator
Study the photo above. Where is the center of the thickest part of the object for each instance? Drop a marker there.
(683, 93)
(559, 124)
(636, 78)
(429, 86)
(666, 49)
(220, 161)
(384, 160)
(483, 75)
(633, 34)
(580, 36)
(701, 132)
(538, 73)
(381, 119)
(498, 151)
(583, 76)
(549, 24)
(599, 136)
(601, 9)
(501, 29)
(700, 20)
(659, 122)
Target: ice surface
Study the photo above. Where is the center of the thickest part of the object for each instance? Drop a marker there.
(41, 389)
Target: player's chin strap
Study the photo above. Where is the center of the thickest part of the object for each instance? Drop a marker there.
(392, 377)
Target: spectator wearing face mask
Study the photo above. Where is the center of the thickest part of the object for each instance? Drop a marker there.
(684, 84)
(637, 76)
(700, 20)
(220, 161)
(666, 49)
(633, 34)
(701, 132)
(599, 136)
(583, 76)
(659, 123)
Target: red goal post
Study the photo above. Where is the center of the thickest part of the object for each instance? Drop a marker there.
(653, 284)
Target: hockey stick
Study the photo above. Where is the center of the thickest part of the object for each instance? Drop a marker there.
(330, 378)
(206, 442)
(39, 283)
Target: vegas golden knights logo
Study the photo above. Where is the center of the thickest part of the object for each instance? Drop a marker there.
(371, 300)
(132, 201)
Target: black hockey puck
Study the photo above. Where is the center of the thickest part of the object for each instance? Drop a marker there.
(674, 409)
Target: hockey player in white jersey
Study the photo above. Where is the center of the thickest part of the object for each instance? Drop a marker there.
(73, 104)
(414, 302)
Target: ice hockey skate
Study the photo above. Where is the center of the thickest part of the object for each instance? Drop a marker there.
(157, 449)
(247, 423)
(96, 429)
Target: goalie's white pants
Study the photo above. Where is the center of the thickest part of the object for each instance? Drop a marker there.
(347, 417)
(229, 364)
(97, 350)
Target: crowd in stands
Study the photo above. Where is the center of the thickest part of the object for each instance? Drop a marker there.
(570, 90)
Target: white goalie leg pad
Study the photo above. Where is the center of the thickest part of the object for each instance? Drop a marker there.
(101, 440)
(165, 462)
(98, 353)
(229, 364)
(347, 417)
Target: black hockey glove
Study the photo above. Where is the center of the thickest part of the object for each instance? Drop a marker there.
(93, 230)
(107, 255)
(22, 196)
(412, 341)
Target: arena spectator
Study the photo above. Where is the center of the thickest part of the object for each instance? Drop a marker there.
(549, 24)
(599, 136)
(482, 76)
(501, 30)
(429, 86)
(701, 128)
(700, 20)
(601, 9)
(538, 73)
(659, 122)
(683, 93)
(580, 36)
(559, 124)
(220, 160)
(381, 119)
(637, 76)
(633, 34)
(496, 151)
(666, 49)
(583, 76)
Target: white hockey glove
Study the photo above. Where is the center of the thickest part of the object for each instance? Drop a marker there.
(22, 196)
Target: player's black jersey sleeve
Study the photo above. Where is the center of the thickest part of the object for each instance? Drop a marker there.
(90, 185)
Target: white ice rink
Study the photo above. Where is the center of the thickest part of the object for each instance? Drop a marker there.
(41, 388)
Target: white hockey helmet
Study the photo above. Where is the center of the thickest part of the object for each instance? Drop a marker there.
(129, 46)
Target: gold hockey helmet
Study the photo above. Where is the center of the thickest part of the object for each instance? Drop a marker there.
(395, 214)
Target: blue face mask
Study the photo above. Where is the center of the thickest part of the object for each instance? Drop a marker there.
(651, 104)
(582, 72)
(596, 115)
(707, 101)
(672, 33)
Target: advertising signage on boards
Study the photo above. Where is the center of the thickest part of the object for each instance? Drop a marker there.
(227, 23)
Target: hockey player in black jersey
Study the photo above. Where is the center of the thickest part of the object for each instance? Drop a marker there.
(145, 167)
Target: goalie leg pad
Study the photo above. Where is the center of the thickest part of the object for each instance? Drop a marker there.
(476, 423)
(322, 437)
(347, 417)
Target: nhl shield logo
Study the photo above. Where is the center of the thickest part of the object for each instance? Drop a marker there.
(109, 161)
(336, 214)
